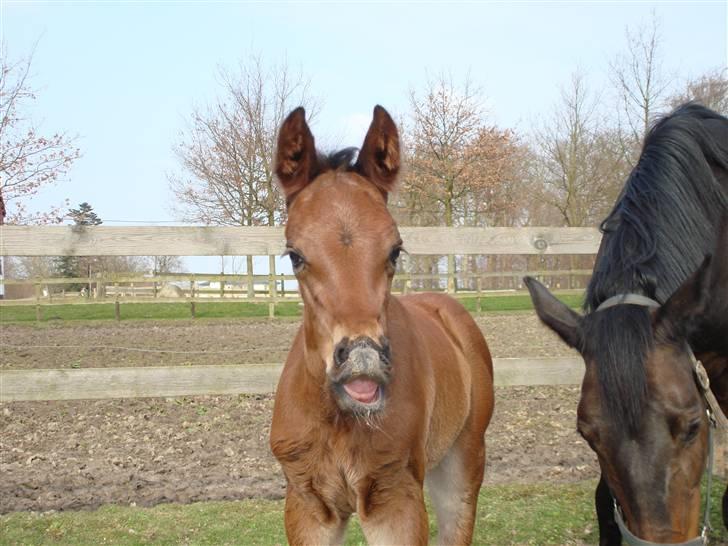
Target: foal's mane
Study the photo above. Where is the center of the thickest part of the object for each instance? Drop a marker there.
(342, 160)
(661, 227)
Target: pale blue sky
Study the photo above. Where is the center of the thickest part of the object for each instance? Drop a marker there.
(124, 76)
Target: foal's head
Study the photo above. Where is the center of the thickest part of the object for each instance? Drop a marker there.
(343, 245)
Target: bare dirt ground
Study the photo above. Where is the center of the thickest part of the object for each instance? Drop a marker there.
(82, 454)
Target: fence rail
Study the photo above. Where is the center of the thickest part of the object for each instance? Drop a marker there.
(269, 241)
(168, 381)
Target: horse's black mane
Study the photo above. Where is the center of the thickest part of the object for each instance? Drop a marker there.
(660, 229)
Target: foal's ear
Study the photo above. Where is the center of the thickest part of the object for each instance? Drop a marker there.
(296, 161)
(379, 156)
(555, 314)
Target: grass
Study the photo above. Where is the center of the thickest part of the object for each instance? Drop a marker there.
(509, 514)
(226, 309)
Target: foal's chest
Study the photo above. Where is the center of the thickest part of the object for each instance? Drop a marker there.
(341, 471)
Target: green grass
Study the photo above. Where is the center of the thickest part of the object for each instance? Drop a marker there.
(515, 302)
(226, 309)
(514, 514)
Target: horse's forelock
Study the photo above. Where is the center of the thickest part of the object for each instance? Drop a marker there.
(618, 340)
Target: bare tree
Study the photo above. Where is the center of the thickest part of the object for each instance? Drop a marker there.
(456, 162)
(710, 90)
(28, 159)
(640, 83)
(165, 264)
(580, 160)
(226, 153)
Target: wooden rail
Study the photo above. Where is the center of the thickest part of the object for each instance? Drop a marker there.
(140, 382)
(269, 241)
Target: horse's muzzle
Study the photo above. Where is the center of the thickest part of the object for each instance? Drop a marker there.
(361, 373)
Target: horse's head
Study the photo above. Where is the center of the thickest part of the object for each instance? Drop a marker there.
(343, 245)
(641, 409)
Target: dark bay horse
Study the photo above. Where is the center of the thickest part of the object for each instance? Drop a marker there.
(379, 394)
(649, 307)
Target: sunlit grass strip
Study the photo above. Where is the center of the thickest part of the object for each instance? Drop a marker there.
(226, 309)
(509, 514)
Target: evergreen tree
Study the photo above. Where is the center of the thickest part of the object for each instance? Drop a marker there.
(74, 266)
(84, 215)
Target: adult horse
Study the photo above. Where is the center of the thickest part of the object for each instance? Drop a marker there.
(379, 393)
(642, 408)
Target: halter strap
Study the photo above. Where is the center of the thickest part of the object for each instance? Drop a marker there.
(713, 411)
(628, 299)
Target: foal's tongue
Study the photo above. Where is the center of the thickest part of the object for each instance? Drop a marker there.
(362, 390)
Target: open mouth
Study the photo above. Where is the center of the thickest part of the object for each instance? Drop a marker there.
(363, 390)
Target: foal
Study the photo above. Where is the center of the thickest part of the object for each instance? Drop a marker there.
(379, 393)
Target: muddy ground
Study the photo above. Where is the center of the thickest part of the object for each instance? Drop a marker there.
(82, 454)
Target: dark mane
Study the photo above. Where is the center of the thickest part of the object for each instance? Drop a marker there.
(661, 227)
(341, 160)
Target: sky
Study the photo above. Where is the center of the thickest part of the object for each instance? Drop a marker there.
(124, 77)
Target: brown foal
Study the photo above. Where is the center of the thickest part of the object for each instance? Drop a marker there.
(379, 394)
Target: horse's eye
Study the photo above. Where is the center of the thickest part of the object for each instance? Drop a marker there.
(394, 255)
(296, 260)
(692, 431)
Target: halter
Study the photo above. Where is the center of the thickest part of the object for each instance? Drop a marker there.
(714, 415)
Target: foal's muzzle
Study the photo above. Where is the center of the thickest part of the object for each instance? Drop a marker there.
(360, 375)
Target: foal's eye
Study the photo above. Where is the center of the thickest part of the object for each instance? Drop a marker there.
(394, 255)
(296, 260)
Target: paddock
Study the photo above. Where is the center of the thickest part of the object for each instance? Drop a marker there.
(144, 413)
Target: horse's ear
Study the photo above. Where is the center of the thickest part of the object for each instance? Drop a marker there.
(682, 311)
(703, 297)
(555, 314)
(379, 158)
(296, 161)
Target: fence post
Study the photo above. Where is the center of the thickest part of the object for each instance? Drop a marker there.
(117, 304)
(250, 280)
(272, 289)
(478, 285)
(192, 297)
(38, 315)
(451, 283)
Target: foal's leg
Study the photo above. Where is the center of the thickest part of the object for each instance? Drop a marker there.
(308, 521)
(453, 486)
(394, 513)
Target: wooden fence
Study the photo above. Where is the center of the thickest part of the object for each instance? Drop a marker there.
(40, 384)
(102, 383)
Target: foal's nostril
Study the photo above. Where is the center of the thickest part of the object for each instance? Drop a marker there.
(341, 351)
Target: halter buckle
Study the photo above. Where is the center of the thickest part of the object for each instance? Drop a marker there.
(701, 375)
